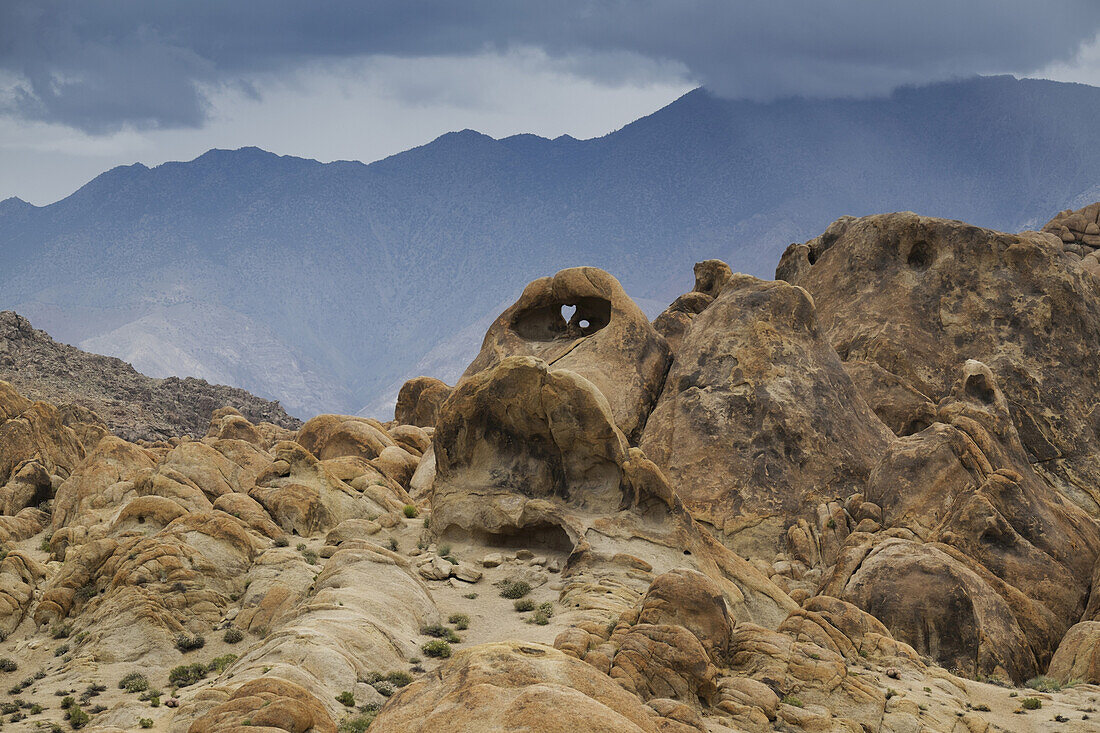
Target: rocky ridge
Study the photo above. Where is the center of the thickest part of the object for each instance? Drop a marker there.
(861, 497)
(132, 405)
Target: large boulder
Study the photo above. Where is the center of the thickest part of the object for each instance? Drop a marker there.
(759, 422)
(514, 686)
(419, 401)
(918, 296)
(531, 455)
(582, 320)
(981, 564)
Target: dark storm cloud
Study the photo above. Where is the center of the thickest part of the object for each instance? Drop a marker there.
(99, 65)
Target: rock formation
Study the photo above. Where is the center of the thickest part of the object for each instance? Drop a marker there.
(859, 498)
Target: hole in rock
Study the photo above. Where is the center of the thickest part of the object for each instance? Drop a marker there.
(978, 387)
(920, 255)
(563, 320)
(537, 536)
(914, 426)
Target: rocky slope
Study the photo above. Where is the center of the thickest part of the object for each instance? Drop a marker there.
(132, 405)
(861, 497)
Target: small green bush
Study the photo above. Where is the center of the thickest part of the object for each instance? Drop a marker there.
(233, 635)
(300, 547)
(189, 642)
(470, 596)
(1031, 703)
(410, 511)
(444, 550)
(523, 605)
(392, 544)
(61, 631)
(460, 620)
(346, 698)
(145, 722)
(547, 609)
(792, 701)
(514, 589)
(540, 618)
(310, 557)
(440, 632)
(1042, 683)
(8, 665)
(357, 725)
(134, 682)
(77, 717)
(437, 648)
(187, 674)
(399, 678)
(282, 541)
(218, 664)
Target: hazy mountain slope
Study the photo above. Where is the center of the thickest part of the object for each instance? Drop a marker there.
(344, 276)
(132, 405)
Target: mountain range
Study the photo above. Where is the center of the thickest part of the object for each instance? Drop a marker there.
(326, 285)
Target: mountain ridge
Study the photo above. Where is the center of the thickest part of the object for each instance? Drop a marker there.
(388, 258)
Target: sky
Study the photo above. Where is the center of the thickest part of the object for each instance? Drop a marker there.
(86, 85)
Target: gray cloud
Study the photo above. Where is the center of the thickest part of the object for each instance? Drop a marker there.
(98, 65)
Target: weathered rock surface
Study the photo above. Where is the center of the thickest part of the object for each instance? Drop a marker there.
(758, 422)
(919, 296)
(606, 339)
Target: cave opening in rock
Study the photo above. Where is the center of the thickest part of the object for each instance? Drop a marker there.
(544, 536)
(978, 387)
(920, 255)
(563, 320)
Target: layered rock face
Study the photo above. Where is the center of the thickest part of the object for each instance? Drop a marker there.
(857, 498)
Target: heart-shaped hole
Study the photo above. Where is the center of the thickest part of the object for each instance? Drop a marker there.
(567, 312)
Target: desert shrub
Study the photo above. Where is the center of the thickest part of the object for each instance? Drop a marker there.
(134, 682)
(514, 588)
(282, 541)
(470, 596)
(310, 557)
(540, 618)
(189, 642)
(792, 701)
(8, 665)
(77, 718)
(187, 674)
(358, 724)
(346, 698)
(1042, 683)
(384, 688)
(440, 632)
(145, 722)
(233, 635)
(392, 544)
(399, 678)
(523, 605)
(1031, 703)
(546, 608)
(437, 648)
(300, 547)
(218, 664)
(410, 511)
(61, 631)
(460, 620)
(35, 709)
(444, 550)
